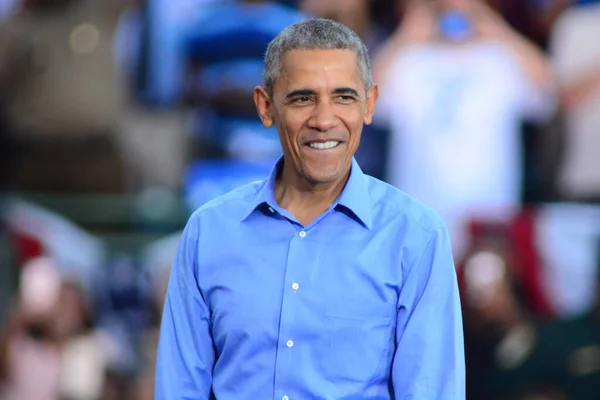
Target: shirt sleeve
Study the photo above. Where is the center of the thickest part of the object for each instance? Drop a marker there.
(185, 352)
(429, 362)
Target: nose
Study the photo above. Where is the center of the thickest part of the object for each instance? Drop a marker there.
(323, 117)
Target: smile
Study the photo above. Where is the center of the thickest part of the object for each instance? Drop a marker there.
(324, 145)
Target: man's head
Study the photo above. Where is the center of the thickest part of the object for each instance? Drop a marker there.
(318, 93)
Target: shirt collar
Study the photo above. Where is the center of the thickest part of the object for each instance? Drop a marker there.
(354, 197)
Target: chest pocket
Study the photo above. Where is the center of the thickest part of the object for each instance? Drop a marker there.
(359, 340)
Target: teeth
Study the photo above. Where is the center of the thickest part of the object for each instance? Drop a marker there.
(324, 145)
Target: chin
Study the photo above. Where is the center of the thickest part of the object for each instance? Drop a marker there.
(324, 177)
(321, 180)
(324, 171)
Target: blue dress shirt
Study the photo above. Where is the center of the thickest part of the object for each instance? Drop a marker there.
(362, 303)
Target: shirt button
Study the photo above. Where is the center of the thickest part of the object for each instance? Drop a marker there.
(271, 209)
(289, 343)
(285, 398)
(302, 234)
(295, 286)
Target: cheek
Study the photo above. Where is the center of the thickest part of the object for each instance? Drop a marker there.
(291, 125)
(354, 123)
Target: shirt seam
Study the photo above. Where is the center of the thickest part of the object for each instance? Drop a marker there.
(427, 229)
(223, 201)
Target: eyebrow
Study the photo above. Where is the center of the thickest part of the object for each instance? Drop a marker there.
(346, 90)
(310, 92)
(300, 92)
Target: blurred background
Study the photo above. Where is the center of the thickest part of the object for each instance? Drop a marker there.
(119, 117)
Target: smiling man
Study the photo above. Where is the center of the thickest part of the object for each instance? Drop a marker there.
(319, 282)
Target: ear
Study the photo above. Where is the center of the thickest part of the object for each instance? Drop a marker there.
(372, 96)
(263, 106)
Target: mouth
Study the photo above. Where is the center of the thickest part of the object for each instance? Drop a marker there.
(331, 144)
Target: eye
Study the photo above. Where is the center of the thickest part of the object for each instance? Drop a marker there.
(302, 100)
(345, 99)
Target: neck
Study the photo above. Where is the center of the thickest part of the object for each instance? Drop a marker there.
(303, 199)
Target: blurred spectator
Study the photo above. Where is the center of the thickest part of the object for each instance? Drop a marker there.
(576, 60)
(225, 47)
(226, 64)
(566, 242)
(161, 67)
(497, 324)
(456, 84)
(563, 361)
(143, 387)
(29, 346)
(62, 96)
(84, 355)
(50, 339)
(157, 259)
(122, 313)
(152, 138)
(513, 352)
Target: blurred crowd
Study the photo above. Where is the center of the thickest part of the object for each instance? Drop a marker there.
(489, 113)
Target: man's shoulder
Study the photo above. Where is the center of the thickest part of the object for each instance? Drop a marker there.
(391, 202)
(231, 203)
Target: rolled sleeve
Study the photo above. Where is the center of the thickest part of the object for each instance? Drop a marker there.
(185, 352)
(429, 361)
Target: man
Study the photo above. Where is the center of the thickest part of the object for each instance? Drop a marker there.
(319, 282)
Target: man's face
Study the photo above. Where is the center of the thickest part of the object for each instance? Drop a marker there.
(319, 105)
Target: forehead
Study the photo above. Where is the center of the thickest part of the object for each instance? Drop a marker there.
(320, 70)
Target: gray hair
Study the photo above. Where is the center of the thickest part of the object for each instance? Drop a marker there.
(314, 34)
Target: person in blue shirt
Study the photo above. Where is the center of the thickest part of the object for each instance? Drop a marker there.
(318, 282)
(225, 47)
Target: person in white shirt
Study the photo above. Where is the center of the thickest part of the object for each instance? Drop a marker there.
(458, 84)
(576, 60)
